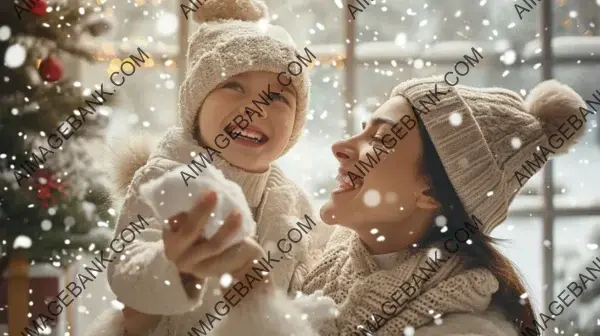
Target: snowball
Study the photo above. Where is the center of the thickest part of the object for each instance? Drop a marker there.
(167, 196)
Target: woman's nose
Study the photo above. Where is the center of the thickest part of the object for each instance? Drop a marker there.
(343, 151)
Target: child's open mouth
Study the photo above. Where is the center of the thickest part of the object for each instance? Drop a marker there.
(250, 136)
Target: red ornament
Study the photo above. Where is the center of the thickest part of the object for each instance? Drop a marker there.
(51, 69)
(39, 7)
(48, 187)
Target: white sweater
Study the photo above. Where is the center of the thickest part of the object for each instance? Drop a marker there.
(147, 282)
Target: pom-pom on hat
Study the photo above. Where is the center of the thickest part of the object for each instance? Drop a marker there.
(490, 141)
(235, 37)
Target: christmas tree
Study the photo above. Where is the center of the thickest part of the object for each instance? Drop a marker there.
(53, 203)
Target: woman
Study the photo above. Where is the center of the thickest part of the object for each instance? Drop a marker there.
(413, 252)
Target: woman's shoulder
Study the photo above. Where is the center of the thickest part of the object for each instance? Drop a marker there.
(488, 323)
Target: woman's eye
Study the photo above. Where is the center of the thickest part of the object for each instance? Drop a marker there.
(234, 86)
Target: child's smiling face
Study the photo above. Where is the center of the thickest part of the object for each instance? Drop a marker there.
(268, 132)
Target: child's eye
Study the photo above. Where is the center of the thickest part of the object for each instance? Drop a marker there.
(279, 97)
(233, 86)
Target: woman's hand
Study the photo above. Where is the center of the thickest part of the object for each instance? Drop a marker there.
(198, 258)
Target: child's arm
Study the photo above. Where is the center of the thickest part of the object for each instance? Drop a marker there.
(140, 275)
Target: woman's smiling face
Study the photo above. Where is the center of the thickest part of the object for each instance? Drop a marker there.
(393, 189)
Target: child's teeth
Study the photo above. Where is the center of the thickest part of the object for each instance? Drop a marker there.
(250, 134)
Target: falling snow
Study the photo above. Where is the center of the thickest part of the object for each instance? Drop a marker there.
(455, 119)
(372, 198)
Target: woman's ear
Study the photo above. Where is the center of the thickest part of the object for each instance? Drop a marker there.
(425, 200)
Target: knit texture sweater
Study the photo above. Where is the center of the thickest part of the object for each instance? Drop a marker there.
(422, 286)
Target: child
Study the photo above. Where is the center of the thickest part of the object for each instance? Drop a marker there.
(244, 114)
(452, 185)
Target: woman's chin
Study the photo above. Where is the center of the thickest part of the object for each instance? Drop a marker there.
(327, 213)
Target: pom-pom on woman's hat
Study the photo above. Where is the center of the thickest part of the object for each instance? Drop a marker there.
(235, 37)
(490, 141)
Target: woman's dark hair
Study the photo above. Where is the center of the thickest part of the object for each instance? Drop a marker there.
(480, 253)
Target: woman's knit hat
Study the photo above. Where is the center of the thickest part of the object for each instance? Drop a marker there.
(490, 141)
(235, 37)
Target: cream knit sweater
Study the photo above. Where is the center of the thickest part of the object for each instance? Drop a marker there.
(147, 282)
(365, 295)
(420, 286)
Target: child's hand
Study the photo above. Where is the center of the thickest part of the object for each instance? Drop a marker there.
(193, 255)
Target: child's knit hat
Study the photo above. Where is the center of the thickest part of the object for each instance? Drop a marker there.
(235, 37)
(490, 141)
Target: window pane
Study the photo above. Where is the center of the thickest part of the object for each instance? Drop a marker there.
(311, 163)
(148, 98)
(316, 21)
(576, 18)
(136, 20)
(524, 248)
(576, 241)
(430, 21)
(577, 172)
